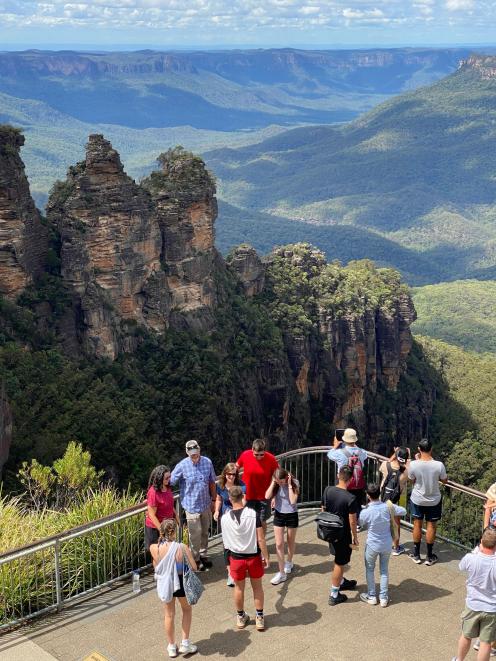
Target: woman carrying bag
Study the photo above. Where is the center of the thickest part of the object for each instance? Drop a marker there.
(173, 561)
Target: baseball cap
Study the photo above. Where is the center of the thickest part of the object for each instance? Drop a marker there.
(402, 455)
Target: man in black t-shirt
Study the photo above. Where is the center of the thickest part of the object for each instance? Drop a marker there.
(338, 500)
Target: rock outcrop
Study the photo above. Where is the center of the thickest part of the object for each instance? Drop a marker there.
(184, 196)
(484, 65)
(110, 250)
(23, 238)
(249, 269)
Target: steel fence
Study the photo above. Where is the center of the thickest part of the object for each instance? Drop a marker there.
(49, 574)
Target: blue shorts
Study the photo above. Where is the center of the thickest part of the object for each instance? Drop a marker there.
(427, 512)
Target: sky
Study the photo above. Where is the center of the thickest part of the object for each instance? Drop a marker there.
(248, 23)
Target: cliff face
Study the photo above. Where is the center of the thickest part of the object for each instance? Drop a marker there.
(484, 65)
(23, 238)
(184, 197)
(110, 248)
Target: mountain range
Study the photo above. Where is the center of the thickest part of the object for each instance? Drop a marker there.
(147, 101)
(412, 181)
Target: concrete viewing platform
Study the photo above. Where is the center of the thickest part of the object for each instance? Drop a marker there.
(422, 621)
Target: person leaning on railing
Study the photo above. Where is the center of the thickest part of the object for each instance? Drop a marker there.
(490, 507)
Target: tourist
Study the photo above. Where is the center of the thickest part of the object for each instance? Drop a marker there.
(380, 520)
(258, 467)
(425, 499)
(168, 557)
(338, 500)
(242, 536)
(159, 503)
(490, 507)
(284, 491)
(394, 480)
(347, 453)
(479, 616)
(228, 479)
(196, 478)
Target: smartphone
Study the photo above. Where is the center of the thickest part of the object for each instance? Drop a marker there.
(338, 433)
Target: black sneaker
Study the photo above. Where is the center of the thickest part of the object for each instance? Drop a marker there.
(348, 584)
(340, 599)
(201, 566)
(206, 562)
(431, 560)
(416, 558)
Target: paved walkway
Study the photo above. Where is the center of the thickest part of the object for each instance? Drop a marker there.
(421, 623)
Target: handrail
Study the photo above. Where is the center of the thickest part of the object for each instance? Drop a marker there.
(50, 573)
(141, 507)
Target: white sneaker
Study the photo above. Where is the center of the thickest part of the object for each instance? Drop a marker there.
(172, 651)
(368, 600)
(278, 578)
(384, 602)
(288, 567)
(188, 648)
(230, 581)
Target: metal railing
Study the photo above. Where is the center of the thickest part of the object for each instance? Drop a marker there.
(49, 574)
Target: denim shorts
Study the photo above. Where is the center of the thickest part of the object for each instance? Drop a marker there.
(427, 512)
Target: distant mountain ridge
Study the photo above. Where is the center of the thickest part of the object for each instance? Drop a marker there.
(416, 170)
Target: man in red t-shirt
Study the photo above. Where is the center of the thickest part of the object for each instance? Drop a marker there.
(258, 468)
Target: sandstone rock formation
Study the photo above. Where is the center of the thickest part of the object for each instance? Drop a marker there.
(23, 238)
(184, 195)
(110, 249)
(248, 267)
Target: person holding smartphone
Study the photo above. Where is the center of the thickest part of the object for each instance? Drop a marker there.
(284, 491)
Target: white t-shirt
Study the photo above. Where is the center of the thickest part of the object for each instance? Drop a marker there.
(240, 535)
(481, 581)
(427, 475)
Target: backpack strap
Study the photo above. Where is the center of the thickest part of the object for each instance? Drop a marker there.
(389, 468)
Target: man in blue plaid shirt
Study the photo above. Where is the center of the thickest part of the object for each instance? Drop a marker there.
(196, 478)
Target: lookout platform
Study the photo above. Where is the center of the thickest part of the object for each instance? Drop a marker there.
(422, 621)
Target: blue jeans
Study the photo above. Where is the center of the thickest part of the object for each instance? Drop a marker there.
(370, 560)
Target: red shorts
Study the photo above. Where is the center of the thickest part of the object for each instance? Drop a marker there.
(239, 568)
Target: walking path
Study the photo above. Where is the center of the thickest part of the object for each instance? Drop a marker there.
(421, 623)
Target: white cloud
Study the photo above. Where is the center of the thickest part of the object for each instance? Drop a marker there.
(244, 15)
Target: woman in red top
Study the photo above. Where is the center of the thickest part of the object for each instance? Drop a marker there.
(160, 504)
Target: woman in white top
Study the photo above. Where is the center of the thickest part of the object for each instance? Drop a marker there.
(284, 491)
(168, 558)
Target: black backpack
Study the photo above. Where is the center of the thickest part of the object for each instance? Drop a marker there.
(330, 527)
(391, 488)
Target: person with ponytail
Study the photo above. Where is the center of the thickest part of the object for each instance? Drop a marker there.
(169, 560)
(284, 491)
(160, 503)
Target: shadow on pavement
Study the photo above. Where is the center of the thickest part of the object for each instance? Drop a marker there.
(228, 643)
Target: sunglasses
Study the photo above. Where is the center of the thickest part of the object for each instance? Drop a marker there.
(231, 474)
(259, 454)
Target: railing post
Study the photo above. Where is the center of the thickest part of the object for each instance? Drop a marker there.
(58, 577)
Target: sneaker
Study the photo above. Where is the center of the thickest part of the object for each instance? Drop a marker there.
(477, 645)
(172, 651)
(493, 652)
(348, 584)
(366, 598)
(201, 566)
(260, 623)
(242, 620)
(398, 550)
(230, 581)
(416, 558)
(334, 601)
(188, 648)
(431, 560)
(278, 578)
(206, 563)
(288, 567)
(384, 602)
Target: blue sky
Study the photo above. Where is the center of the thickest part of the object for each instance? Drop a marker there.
(185, 23)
